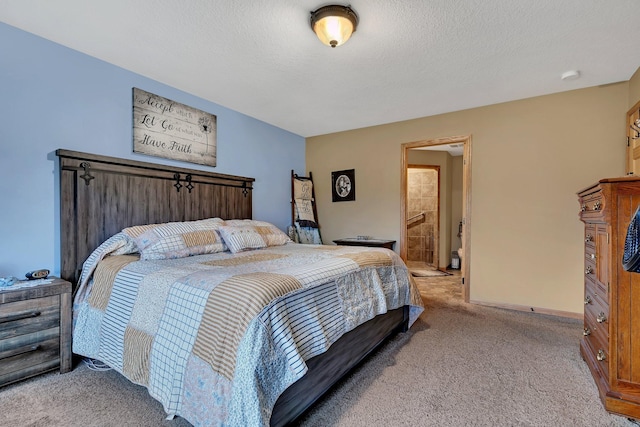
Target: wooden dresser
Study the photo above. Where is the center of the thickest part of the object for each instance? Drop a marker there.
(35, 330)
(611, 338)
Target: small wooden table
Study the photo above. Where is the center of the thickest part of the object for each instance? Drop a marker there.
(35, 330)
(374, 243)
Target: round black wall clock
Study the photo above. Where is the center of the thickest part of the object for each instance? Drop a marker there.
(343, 185)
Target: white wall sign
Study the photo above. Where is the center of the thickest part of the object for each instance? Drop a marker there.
(164, 128)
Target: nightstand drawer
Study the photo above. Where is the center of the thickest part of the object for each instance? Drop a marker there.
(23, 317)
(29, 355)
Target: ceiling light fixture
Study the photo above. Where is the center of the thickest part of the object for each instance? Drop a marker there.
(334, 24)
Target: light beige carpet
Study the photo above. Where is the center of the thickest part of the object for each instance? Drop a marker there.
(459, 365)
(464, 365)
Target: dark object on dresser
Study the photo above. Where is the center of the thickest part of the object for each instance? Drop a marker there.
(611, 342)
(35, 330)
(37, 274)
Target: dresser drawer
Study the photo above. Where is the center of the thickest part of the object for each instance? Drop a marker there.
(596, 327)
(599, 350)
(590, 237)
(589, 270)
(595, 297)
(591, 274)
(592, 206)
(590, 253)
(596, 318)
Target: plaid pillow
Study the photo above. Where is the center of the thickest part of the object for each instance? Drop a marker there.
(177, 239)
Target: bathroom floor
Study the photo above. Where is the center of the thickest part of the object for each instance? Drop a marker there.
(441, 289)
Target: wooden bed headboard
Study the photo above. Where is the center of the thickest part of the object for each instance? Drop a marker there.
(100, 195)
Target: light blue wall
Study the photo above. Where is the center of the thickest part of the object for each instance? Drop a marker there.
(53, 97)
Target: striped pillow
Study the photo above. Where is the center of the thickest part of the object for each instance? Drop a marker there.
(250, 234)
(177, 239)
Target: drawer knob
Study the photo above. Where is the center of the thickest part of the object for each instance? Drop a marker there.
(586, 332)
(593, 256)
(601, 318)
(597, 206)
(583, 208)
(588, 238)
(601, 356)
(587, 300)
(588, 270)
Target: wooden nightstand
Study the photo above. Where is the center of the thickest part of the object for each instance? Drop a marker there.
(375, 243)
(35, 330)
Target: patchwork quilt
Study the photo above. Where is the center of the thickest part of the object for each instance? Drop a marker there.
(216, 338)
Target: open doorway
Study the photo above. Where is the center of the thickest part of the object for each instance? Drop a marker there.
(459, 227)
(423, 216)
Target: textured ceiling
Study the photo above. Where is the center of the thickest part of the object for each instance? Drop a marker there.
(407, 59)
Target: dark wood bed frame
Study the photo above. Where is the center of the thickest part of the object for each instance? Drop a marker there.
(100, 195)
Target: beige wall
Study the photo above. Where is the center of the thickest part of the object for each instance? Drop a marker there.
(529, 159)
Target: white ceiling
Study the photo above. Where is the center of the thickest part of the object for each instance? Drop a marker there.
(407, 59)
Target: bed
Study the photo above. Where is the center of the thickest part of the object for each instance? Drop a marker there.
(184, 319)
